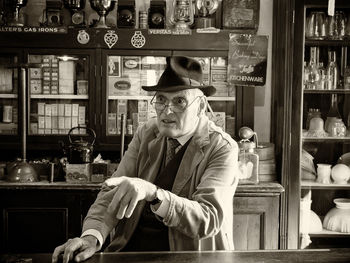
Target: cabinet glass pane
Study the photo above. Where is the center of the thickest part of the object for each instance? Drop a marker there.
(8, 95)
(325, 155)
(126, 75)
(59, 98)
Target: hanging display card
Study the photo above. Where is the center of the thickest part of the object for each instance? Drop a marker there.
(247, 59)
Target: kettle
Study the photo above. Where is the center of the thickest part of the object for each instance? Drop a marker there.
(80, 151)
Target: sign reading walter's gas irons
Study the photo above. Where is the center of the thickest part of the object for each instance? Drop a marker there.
(247, 59)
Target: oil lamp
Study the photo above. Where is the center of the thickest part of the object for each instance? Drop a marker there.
(183, 14)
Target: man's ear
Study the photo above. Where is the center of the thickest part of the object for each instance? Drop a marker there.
(202, 105)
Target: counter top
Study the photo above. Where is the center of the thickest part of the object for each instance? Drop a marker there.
(263, 187)
(314, 255)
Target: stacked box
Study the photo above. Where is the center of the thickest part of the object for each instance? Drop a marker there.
(66, 72)
(218, 75)
(35, 83)
(78, 173)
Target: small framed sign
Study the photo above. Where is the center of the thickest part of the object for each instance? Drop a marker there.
(247, 59)
(240, 14)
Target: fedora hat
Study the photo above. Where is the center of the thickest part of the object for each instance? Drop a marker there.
(181, 73)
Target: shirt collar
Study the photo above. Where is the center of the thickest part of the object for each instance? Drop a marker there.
(184, 138)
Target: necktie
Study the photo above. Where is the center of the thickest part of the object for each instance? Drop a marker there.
(172, 144)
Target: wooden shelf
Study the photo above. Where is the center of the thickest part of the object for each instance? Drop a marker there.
(327, 42)
(320, 91)
(145, 97)
(59, 97)
(8, 96)
(327, 139)
(308, 184)
(328, 233)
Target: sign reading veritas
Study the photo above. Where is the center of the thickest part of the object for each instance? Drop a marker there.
(247, 59)
(32, 29)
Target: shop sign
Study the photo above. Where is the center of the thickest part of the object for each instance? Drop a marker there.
(175, 31)
(247, 59)
(32, 29)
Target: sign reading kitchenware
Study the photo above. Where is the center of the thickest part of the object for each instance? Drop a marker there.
(247, 59)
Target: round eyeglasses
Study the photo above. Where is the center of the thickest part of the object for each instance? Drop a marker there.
(177, 104)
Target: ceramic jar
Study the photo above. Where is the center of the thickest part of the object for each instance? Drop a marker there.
(323, 173)
(340, 173)
(338, 218)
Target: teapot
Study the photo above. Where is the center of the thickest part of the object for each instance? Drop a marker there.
(79, 151)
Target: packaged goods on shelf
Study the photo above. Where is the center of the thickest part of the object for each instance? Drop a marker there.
(41, 108)
(68, 109)
(46, 87)
(60, 109)
(60, 123)
(34, 128)
(35, 86)
(112, 123)
(230, 125)
(54, 122)
(5, 79)
(54, 109)
(48, 110)
(75, 124)
(122, 108)
(114, 66)
(218, 75)
(41, 122)
(66, 72)
(218, 119)
(75, 109)
(82, 87)
(47, 122)
(67, 122)
(81, 115)
(78, 173)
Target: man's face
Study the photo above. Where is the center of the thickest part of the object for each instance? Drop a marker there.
(175, 124)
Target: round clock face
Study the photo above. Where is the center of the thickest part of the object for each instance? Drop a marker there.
(77, 18)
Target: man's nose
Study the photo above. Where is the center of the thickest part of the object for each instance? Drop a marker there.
(168, 108)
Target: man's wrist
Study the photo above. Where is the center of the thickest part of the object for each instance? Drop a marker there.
(159, 197)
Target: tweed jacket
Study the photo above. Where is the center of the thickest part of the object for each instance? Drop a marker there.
(200, 215)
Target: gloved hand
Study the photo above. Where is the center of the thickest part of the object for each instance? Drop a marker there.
(129, 192)
(79, 248)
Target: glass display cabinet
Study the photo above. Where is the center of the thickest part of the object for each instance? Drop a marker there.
(9, 94)
(320, 139)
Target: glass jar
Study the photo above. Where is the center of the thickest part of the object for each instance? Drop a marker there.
(336, 26)
(312, 113)
(248, 161)
(333, 113)
(332, 71)
(316, 25)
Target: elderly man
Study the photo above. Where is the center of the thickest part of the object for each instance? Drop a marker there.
(174, 188)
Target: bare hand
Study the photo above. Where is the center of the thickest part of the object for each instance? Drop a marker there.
(86, 246)
(128, 193)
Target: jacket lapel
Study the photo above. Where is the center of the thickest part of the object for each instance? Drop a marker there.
(155, 156)
(193, 156)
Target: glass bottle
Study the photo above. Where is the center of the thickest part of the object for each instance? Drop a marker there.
(306, 76)
(332, 71)
(248, 161)
(314, 74)
(333, 113)
(323, 77)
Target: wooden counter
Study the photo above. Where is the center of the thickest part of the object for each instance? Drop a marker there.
(54, 212)
(290, 256)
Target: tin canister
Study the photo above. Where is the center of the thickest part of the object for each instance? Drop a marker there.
(143, 20)
(7, 113)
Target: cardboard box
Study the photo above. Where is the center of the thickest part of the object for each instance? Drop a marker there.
(41, 108)
(78, 173)
(81, 115)
(68, 110)
(61, 109)
(112, 123)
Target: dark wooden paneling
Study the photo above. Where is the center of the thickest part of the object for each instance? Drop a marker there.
(256, 222)
(35, 229)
